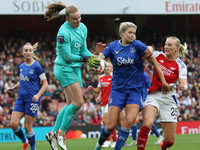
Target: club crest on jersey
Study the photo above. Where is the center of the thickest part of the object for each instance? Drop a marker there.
(132, 50)
(31, 71)
(61, 39)
(161, 61)
(116, 52)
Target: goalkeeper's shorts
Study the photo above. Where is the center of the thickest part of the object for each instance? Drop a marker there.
(67, 75)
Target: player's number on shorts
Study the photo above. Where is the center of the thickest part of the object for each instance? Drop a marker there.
(173, 111)
(34, 107)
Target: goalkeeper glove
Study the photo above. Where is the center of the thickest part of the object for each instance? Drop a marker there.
(92, 61)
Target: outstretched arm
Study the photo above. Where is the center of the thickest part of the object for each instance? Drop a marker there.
(152, 59)
(13, 87)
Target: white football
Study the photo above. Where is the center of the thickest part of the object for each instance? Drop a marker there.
(83, 136)
(100, 68)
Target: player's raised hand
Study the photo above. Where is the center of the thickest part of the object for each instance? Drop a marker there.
(100, 48)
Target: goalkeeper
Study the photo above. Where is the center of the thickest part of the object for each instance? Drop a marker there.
(71, 52)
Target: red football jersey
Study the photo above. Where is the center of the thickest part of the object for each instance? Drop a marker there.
(172, 70)
(105, 83)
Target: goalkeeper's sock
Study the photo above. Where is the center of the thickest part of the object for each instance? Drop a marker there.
(59, 119)
(68, 117)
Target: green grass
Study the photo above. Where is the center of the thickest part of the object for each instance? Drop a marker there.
(183, 142)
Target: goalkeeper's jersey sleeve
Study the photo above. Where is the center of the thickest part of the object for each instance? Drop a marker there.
(69, 45)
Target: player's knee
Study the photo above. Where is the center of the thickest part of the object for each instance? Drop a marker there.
(28, 128)
(13, 125)
(148, 124)
(104, 122)
(110, 127)
(128, 123)
(78, 104)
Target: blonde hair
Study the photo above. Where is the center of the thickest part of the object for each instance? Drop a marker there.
(34, 49)
(54, 9)
(124, 25)
(182, 48)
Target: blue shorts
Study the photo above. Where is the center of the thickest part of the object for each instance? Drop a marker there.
(29, 108)
(121, 99)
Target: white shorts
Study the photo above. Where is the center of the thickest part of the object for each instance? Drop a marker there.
(165, 103)
(104, 109)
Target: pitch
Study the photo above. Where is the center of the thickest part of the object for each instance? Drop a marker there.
(183, 142)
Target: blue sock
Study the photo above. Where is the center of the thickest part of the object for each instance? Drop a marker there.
(134, 131)
(102, 127)
(104, 135)
(31, 139)
(18, 132)
(123, 135)
(155, 130)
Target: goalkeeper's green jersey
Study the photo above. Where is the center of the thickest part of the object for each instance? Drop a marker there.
(71, 45)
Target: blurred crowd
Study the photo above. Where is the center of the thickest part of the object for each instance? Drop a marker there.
(53, 98)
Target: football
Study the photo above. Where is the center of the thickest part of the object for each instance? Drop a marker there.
(100, 68)
(83, 136)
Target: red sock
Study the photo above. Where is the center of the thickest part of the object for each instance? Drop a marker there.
(114, 135)
(108, 139)
(142, 138)
(166, 144)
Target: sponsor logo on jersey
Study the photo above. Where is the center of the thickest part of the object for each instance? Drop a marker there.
(116, 52)
(21, 70)
(132, 50)
(166, 71)
(173, 68)
(24, 78)
(77, 45)
(122, 61)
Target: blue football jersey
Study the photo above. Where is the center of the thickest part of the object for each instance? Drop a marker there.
(29, 80)
(127, 64)
(147, 84)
